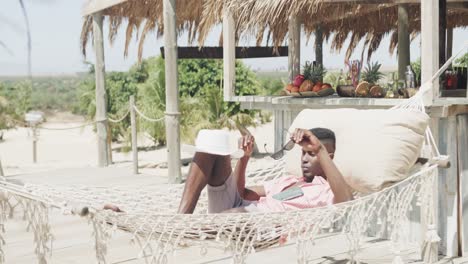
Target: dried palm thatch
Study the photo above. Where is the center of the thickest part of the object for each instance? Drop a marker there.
(145, 16)
(260, 18)
(371, 22)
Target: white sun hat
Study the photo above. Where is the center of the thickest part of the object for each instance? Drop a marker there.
(215, 142)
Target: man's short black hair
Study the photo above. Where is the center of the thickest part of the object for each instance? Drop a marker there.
(324, 134)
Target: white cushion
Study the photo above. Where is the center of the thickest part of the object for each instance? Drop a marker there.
(374, 148)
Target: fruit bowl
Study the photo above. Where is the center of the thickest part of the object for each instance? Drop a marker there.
(321, 93)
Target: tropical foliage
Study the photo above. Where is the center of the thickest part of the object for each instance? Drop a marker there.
(462, 61)
(20, 93)
(201, 99)
(416, 65)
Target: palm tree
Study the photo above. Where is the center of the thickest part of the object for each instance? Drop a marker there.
(28, 35)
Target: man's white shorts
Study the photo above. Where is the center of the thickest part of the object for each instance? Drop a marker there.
(226, 196)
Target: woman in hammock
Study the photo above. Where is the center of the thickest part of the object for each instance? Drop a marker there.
(321, 182)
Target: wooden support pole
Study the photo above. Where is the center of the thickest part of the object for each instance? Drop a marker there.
(403, 41)
(429, 47)
(134, 134)
(447, 192)
(294, 47)
(462, 141)
(294, 64)
(1, 169)
(442, 31)
(229, 55)
(449, 42)
(319, 45)
(34, 138)
(172, 92)
(101, 97)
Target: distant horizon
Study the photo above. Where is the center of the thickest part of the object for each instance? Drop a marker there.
(76, 74)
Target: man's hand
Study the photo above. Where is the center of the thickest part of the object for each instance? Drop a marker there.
(246, 143)
(307, 140)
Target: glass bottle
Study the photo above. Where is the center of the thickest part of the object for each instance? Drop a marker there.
(410, 78)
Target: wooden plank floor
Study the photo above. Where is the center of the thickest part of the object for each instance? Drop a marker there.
(73, 239)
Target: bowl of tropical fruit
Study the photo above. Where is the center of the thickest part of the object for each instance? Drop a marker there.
(365, 86)
(309, 83)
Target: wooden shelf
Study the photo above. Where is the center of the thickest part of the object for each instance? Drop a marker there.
(441, 107)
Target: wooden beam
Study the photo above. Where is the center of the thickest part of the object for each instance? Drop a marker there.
(172, 92)
(94, 6)
(217, 52)
(403, 41)
(430, 47)
(101, 97)
(229, 55)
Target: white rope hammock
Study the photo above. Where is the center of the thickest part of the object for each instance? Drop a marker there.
(150, 213)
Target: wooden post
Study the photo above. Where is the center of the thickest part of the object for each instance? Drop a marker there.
(279, 129)
(229, 55)
(294, 64)
(294, 47)
(172, 92)
(101, 100)
(134, 134)
(1, 169)
(403, 41)
(462, 141)
(34, 138)
(447, 191)
(425, 221)
(449, 42)
(319, 45)
(442, 31)
(430, 47)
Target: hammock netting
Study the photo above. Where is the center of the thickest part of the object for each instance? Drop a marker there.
(150, 213)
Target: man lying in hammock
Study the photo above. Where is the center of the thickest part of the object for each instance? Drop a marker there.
(321, 182)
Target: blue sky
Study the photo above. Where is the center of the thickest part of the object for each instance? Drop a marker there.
(56, 27)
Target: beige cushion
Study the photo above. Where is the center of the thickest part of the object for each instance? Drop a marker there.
(374, 148)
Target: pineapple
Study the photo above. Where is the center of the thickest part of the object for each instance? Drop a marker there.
(317, 73)
(307, 85)
(307, 70)
(372, 73)
(371, 76)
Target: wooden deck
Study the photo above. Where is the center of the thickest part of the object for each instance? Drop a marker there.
(73, 240)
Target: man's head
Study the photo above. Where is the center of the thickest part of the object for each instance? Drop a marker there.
(309, 163)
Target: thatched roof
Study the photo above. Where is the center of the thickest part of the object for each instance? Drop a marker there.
(259, 18)
(140, 17)
(338, 21)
